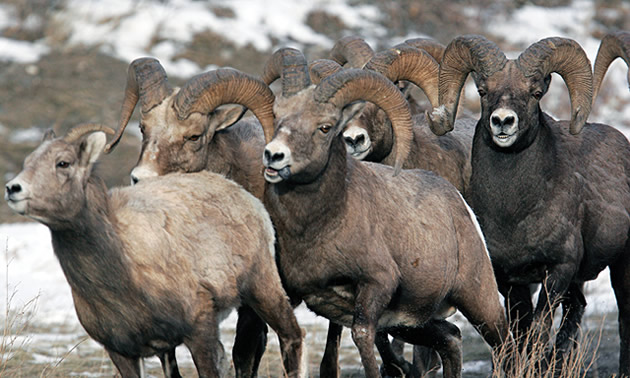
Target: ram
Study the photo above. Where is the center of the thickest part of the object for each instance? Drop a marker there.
(157, 264)
(365, 245)
(215, 142)
(369, 136)
(552, 197)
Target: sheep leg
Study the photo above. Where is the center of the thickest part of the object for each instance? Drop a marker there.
(519, 309)
(329, 367)
(620, 280)
(481, 305)
(394, 364)
(371, 300)
(127, 367)
(425, 361)
(573, 304)
(250, 342)
(169, 364)
(272, 304)
(441, 336)
(205, 346)
(551, 294)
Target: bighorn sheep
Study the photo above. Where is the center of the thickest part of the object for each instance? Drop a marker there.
(191, 143)
(385, 251)
(369, 136)
(552, 197)
(157, 264)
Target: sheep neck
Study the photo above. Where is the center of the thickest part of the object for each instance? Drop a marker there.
(235, 153)
(89, 251)
(306, 211)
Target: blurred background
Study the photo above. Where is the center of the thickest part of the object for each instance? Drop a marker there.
(64, 62)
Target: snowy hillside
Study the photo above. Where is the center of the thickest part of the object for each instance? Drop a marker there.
(122, 30)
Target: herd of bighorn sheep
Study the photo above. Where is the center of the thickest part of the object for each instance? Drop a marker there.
(382, 213)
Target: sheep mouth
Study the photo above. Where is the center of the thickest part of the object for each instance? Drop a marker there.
(276, 175)
(360, 154)
(19, 205)
(503, 139)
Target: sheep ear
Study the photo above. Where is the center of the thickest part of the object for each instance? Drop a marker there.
(351, 111)
(91, 148)
(49, 134)
(225, 116)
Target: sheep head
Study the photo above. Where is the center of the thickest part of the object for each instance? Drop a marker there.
(370, 133)
(309, 119)
(511, 90)
(51, 186)
(177, 128)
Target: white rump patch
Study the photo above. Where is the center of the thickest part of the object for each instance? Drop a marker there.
(476, 223)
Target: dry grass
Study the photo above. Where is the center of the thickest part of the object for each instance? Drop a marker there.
(539, 359)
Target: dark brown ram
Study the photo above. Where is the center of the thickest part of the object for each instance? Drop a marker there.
(552, 197)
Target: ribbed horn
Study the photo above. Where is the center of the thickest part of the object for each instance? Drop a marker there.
(147, 82)
(463, 55)
(433, 47)
(565, 57)
(613, 46)
(354, 84)
(205, 92)
(322, 68)
(290, 65)
(351, 51)
(86, 128)
(409, 63)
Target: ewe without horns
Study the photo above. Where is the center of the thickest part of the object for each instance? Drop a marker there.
(183, 132)
(169, 242)
(553, 205)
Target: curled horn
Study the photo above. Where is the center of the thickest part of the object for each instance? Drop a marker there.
(613, 46)
(565, 57)
(433, 47)
(147, 82)
(85, 128)
(290, 65)
(351, 50)
(353, 84)
(411, 64)
(463, 55)
(322, 68)
(205, 92)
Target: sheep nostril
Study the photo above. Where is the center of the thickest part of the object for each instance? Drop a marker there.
(360, 139)
(508, 121)
(278, 156)
(496, 120)
(13, 188)
(134, 180)
(349, 141)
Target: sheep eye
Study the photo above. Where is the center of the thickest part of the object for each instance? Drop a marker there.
(325, 128)
(538, 95)
(194, 138)
(63, 164)
(142, 129)
(482, 92)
